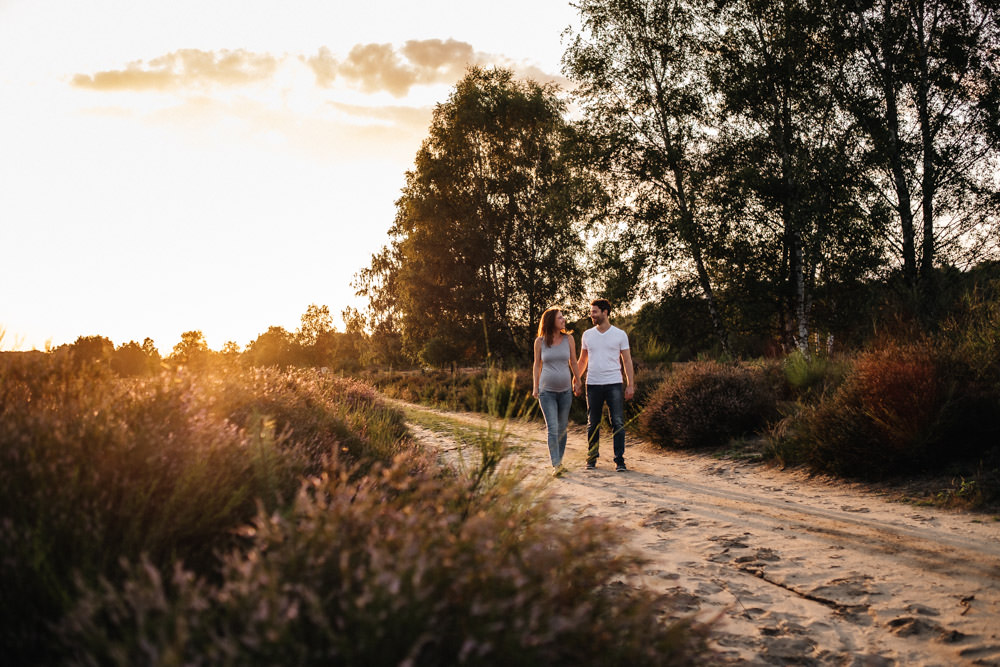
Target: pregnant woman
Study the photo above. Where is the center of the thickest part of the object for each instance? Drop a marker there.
(555, 380)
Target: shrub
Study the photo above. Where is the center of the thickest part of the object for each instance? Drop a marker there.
(94, 468)
(403, 566)
(320, 413)
(707, 403)
(900, 409)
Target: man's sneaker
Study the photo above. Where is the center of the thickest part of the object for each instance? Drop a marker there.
(621, 467)
(591, 465)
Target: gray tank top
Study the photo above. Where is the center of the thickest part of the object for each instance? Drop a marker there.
(555, 367)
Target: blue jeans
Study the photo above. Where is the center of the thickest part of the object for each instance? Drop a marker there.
(555, 408)
(597, 396)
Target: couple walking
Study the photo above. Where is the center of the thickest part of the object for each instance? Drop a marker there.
(558, 374)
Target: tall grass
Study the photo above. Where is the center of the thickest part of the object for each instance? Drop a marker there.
(248, 517)
(94, 468)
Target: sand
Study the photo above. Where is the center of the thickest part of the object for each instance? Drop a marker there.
(791, 569)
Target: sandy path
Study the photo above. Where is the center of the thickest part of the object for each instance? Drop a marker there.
(801, 571)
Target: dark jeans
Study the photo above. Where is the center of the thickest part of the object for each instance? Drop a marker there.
(597, 396)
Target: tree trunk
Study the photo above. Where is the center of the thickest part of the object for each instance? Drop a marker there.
(691, 239)
(793, 232)
(927, 185)
(903, 204)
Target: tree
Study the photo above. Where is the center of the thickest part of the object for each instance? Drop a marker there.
(483, 239)
(274, 347)
(130, 360)
(153, 358)
(192, 350)
(640, 69)
(315, 323)
(789, 163)
(922, 80)
(92, 349)
(316, 336)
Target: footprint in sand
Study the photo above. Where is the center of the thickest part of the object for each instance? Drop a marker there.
(731, 542)
(909, 626)
(661, 519)
(851, 592)
(923, 610)
(762, 555)
(984, 655)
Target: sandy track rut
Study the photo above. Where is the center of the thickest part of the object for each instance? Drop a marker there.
(796, 570)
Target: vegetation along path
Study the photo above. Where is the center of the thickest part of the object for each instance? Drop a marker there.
(792, 569)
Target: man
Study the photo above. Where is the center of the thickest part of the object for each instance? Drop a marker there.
(603, 351)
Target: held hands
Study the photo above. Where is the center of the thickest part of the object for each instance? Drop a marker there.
(577, 386)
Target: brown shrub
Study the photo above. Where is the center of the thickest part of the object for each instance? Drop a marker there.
(902, 408)
(707, 403)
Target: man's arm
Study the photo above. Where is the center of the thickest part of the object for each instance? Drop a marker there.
(581, 367)
(629, 374)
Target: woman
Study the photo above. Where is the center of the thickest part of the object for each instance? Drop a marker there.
(555, 380)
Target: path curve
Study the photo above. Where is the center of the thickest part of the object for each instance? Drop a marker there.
(796, 570)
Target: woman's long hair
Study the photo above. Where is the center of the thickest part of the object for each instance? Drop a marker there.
(547, 326)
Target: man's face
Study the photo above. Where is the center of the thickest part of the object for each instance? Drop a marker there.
(597, 316)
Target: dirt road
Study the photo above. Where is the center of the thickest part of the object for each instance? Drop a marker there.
(797, 570)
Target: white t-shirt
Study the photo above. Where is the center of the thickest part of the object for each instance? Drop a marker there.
(604, 354)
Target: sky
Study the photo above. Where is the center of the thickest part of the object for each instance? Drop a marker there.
(220, 165)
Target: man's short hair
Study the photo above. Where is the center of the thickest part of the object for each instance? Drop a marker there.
(602, 304)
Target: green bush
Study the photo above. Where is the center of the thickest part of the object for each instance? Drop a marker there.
(900, 409)
(707, 403)
(811, 378)
(405, 566)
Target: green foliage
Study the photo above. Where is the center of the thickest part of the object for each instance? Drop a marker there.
(707, 403)
(654, 351)
(811, 378)
(483, 236)
(401, 566)
(439, 352)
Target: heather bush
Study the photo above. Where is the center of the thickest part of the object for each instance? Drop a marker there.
(901, 408)
(402, 566)
(321, 413)
(707, 403)
(94, 468)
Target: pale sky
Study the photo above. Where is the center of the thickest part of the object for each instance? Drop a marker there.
(220, 164)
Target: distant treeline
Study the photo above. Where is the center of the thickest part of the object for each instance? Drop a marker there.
(676, 327)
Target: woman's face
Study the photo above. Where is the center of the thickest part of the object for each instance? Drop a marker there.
(560, 321)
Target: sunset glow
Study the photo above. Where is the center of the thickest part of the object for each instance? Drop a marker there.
(170, 166)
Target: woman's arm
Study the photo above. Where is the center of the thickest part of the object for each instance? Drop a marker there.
(536, 369)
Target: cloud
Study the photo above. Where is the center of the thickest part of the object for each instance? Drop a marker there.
(440, 61)
(370, 68)
(378, 67)
(411, 118)
(184, 68)
(383, 67)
